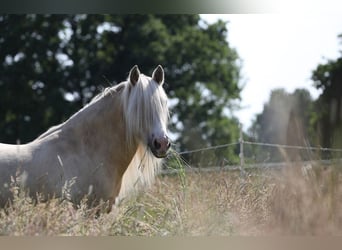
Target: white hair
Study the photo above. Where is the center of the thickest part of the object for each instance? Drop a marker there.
(144, 104)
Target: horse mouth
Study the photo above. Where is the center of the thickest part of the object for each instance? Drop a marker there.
(158, 154)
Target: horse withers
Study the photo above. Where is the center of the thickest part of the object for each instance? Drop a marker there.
(114, 143)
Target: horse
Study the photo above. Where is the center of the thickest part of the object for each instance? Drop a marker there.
(111, 145)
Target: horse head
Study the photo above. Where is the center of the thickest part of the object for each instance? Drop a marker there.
(147, 111)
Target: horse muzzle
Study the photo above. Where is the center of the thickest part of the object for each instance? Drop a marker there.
(160, 146)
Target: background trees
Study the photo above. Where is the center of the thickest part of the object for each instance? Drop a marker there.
(328, 120)
(296, 119)
(51, 65)
(286, 120)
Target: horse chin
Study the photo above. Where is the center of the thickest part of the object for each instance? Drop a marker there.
(160, 156)
(157, 154)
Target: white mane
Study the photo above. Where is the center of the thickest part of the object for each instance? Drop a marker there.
(143, 104)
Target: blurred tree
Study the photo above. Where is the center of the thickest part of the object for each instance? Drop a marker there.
(328, 120)
(30, 76)
(285, 119)
(51, 65)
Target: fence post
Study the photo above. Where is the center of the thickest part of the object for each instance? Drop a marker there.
(242, 160)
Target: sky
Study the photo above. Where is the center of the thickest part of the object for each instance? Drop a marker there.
(279, 51)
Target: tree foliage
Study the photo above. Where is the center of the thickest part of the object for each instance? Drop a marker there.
(271, 125)
(285, 119)
(51, 65)
(328, 78)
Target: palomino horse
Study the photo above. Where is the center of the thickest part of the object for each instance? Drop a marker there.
(110, 145)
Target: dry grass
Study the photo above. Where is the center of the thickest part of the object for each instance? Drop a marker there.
(222, 203)
(308, 203)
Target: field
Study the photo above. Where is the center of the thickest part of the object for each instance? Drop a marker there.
(291, 201)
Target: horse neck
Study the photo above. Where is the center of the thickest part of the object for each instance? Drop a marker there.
(102, 130)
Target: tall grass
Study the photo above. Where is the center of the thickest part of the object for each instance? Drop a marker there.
(293, 201)
(307, 201)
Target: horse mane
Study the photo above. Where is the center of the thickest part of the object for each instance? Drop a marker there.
(108, 91)
(96, 98)
(140, 172)
(142, 105)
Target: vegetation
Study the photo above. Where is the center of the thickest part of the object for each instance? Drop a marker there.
(296, 119)
(285, 119)
(328, 120)
(294, 201)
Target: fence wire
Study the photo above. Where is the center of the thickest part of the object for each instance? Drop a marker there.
(258, 158)
(293, 146)
(261, 144)
(208, 148)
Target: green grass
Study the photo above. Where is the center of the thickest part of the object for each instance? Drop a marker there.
(285, 202)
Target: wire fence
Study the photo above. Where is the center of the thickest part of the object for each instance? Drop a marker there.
(242, 165)
(293, 146)
(208, 148)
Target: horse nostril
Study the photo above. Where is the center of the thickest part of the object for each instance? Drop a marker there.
(168, 145)
(156, 144)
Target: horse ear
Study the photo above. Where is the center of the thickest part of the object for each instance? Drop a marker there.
(134, 75)
(158, 75)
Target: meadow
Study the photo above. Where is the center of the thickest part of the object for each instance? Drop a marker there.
(290, 201)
